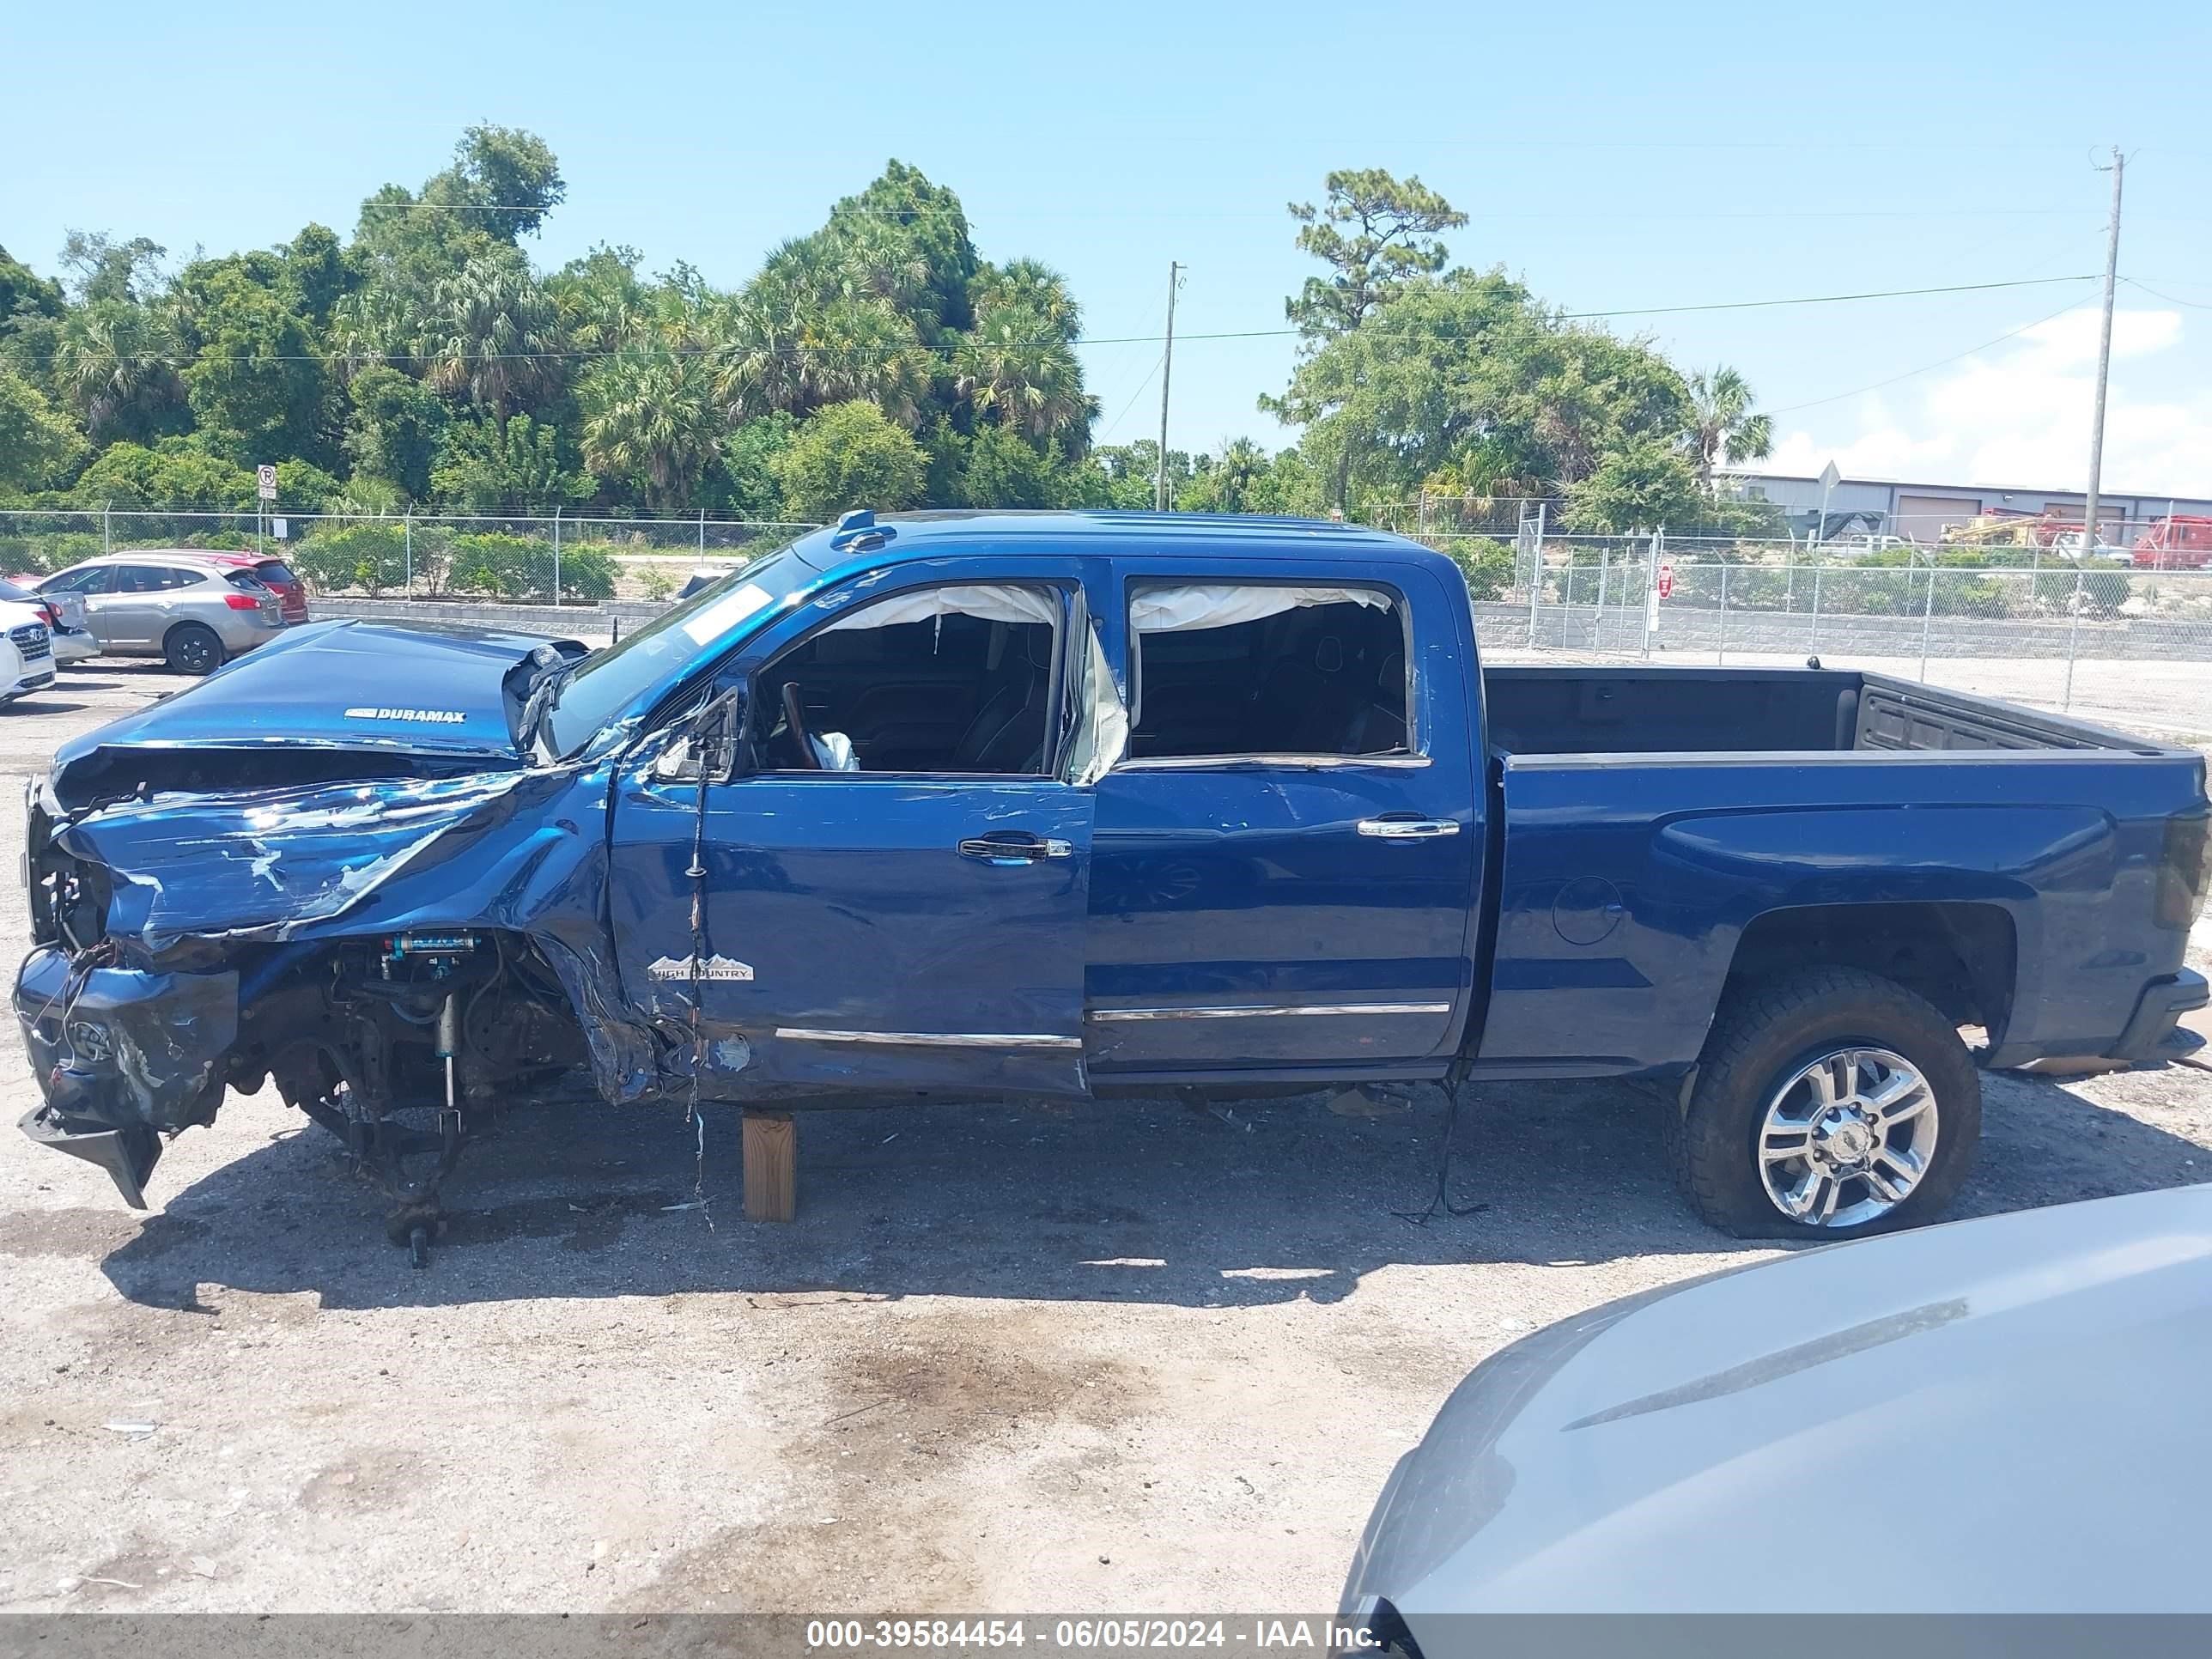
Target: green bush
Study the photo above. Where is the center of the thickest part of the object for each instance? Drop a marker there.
(587, 572)
(1488, 566)
(40, 555)
(500, 566)
(370, 556)
(520, 568)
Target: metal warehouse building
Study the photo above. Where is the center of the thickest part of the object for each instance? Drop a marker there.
(1921, 511)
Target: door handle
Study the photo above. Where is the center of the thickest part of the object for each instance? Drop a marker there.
(1408, 828)
(1011, 846)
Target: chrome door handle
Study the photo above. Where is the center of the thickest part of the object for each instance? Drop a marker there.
(1017, 847)
(1408, 828)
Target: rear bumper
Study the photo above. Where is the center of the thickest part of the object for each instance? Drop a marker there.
(121, 1055)
(2154, 1032)
(241, 630)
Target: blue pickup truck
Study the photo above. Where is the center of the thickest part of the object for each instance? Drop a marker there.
(945, 805)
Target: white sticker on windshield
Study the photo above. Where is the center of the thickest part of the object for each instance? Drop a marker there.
(726, 613)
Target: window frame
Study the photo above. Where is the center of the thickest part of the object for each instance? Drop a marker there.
(1415, 754)
(81, 582)
(1058, 734)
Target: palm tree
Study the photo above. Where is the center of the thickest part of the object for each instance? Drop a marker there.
(865, 349)
(650, 414)
(117, 362)
(1240, 464)
(493, 337)
(1016, 370)
(1722, 426)
(1032, 286)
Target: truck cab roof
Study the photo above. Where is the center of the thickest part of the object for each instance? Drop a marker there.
(923, 535)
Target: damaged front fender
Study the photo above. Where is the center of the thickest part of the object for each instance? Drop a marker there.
(122, 1054)
(264, 866)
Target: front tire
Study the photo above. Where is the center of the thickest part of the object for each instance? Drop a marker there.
(1828, 1105)
(193, 648)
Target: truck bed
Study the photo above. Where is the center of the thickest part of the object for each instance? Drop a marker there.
(1646, 711)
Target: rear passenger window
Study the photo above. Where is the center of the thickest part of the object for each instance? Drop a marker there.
(1266, 670)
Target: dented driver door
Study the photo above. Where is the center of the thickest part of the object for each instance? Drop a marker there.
(862, 930)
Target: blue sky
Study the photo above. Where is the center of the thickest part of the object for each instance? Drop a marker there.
(1613, 157)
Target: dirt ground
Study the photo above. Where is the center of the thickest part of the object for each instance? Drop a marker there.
(1133, 1357)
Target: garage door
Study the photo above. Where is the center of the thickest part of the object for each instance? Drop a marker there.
(1923, 517)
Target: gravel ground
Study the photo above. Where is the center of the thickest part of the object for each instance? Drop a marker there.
(1129, 1358)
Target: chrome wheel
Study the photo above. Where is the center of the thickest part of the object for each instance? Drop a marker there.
(1847, 1138)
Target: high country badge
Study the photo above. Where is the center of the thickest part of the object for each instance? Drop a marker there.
(716, 968)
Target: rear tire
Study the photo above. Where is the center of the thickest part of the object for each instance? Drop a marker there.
(1828, 1105)
(193, 648)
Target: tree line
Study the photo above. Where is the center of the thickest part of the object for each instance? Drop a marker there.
(427, 364)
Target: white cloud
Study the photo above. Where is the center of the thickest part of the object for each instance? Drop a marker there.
(2019, 415)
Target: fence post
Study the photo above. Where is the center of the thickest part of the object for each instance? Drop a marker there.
(1815, 650)
(407, 536)
(1722, 655)
(106, 536)
(1927, 616)
(556, 555)
(702, 535)
(1604, 570)
(1651, 589)
(2073, 638)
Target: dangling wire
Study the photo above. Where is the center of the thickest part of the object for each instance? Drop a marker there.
(697, 872)
(1440, 1199)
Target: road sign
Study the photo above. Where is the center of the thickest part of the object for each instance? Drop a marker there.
(1666, 582)
(266, 478)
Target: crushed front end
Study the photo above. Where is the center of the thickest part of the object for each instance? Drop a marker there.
(120, 1054)
(185, 944)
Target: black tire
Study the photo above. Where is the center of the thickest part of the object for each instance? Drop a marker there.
(193, 648)
(1763, 1036)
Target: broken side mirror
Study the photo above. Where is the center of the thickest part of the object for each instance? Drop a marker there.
(707, 747)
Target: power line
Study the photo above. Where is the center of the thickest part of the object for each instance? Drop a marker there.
(2171, 299)
(1372, 332)
(1113, 425)
(1941, 362)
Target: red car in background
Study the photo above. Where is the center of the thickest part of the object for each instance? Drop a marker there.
(2183, 542)
(271, 571)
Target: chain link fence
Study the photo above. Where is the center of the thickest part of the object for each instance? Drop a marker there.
(2095, 637)
(557, 559)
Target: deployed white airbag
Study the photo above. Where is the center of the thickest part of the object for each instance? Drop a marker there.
(992, 602)
(1180, 610)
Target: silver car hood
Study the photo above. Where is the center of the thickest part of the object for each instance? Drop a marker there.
(2006, 1414)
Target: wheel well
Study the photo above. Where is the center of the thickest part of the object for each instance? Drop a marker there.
(182, 623)
(1961, 956)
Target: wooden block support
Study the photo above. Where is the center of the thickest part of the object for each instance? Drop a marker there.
(771, 1158)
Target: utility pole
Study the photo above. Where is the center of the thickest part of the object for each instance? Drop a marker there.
(2104, 367)
(1167, 371)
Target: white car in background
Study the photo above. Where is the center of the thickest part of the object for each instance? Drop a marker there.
(65, 617)
(27, 649)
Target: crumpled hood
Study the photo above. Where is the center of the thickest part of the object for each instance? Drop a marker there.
(413, 699)
(265, 865)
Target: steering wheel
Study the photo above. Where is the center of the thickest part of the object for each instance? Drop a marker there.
(794, 720)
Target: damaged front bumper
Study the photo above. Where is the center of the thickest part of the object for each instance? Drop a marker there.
(122, 1056)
